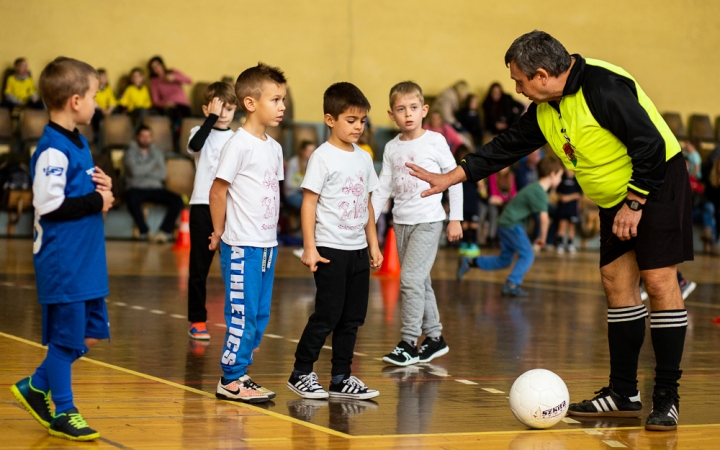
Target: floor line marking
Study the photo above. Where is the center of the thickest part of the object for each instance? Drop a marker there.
(157, 311)
(120, 303)
(221, 325)
(440, 374)
(138, 307)
(492, 391)
(569, 420)
(294, 340)
(273, 336)
(595, 432)
(177, 316)
(615, 444)
(359, 354)
(327, 347)
(466, 382)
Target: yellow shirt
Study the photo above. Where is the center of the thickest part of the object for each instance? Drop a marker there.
(136, 97)
(368, 149)
(20, 89)
(105, 98)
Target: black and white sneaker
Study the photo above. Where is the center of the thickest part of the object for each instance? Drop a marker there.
(432, 348)
(307, 386)
(352, 387)
(609, 404)
(665, 411)
(304, 408)
(403, 355)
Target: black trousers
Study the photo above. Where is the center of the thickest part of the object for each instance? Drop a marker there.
(136, 197)
(201, 257)
(341, 304)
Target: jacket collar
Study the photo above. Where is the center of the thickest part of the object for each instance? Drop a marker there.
(575, 78)
(73, 136)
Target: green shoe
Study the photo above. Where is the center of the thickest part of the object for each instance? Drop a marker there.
(34, 400)
(71, 425)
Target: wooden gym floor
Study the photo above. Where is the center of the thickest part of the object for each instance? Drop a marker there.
(151, 387)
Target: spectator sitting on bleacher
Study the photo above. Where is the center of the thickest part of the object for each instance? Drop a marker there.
(469, 118)
(136, 98)
(295, 174)
(145, 177)
(448, 102)
(693, 159)
(167, 92)
(20, 88)
(501, 110)
(436, 123)
(105, 101)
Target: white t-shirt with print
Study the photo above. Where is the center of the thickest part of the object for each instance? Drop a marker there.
(206, 163)
(253, 168)
(344, 181)
(431, 152)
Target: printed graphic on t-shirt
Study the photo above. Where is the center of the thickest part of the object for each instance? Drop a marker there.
(405, 184)
(269, 202)
(358, 208)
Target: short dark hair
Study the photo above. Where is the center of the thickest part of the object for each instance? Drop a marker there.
(152, 60)
(101, 70)
(142, 128)
(250, 82)
(342, 96)
(63, 78)
(405, 88)
(538, 50)
(221, 90)
(18, 61)
(137, 69)
(549, 164)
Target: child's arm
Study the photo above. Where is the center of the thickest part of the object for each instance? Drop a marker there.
(382, 193)
(544, 224)
(179, 77)
(218, 204)
(310, 255)
(376, 257)
(197, 141)
(455, 192)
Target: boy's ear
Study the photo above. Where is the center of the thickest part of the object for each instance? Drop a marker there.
(426, 108)
(250, 104)
(390, 115)
(329, 120)
(205, 110)
(74, 102)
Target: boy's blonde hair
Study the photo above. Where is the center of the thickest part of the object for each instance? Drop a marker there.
(221, 90)
(63, 78)
(406, 88)
(250, 81)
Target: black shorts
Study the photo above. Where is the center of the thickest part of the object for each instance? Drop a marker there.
(569, 211)
(665, 235)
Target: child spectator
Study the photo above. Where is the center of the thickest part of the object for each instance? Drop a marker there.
(69, 195)
(501, 110)
(471, 211)
(436, 123)
(338, 234)
(145, 174)
(296, 167)
(106, 101)
(568, 212)
(693, 159)
(136, 98)
(20, 87)
(501, 187)
(513, 238)
(244, 204)
(167, 92)
(418, 221)
(205, 144)
(469, 118)
(448, 102)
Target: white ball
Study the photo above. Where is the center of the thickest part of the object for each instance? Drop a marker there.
(539, 398)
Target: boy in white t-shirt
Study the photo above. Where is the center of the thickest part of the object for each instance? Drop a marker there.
(244, 200)
(418, 221)
(338, 234)
(205, 144)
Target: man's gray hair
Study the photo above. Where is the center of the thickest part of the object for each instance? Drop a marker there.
(538, 50)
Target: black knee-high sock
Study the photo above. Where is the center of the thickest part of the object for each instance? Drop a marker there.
(626, 333)
(667, 330)
(471, 234)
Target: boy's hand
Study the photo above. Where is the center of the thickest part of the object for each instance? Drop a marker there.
(108, 199)
(376, 257)
(103, 181)
(454, 231)
(540, 242)
(311, 257)
(215, 106)
(214, 241)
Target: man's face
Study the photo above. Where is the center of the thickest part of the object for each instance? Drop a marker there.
(270, 107)
(349, 125)
(533, 88)
(408, 112)
(144, 138)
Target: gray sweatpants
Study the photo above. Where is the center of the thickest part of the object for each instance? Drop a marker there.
(417, 246)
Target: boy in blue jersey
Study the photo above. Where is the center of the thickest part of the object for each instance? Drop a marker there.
(69, 195)
(244, 206)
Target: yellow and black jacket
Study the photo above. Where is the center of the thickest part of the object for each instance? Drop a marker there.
(618, 140)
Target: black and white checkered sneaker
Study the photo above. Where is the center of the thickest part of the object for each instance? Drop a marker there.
(665, 411)
(307, 386)
(351, 387)
(607, 404)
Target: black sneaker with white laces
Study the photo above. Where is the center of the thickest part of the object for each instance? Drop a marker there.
(306, 386)
(607, 404)
(352, 387)
(665, 411)
(403, 355)
(432, 348)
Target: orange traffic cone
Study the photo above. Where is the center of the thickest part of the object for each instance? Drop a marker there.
(716, 320)
(391, 262)
(390, 291)
(183, 238)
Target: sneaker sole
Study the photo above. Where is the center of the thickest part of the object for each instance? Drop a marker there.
(690, 288)
(16, 392)
(366, 396)
(661, 427)
(311, 395)
(606, 414)
(437, 354)
(401, 363)
(262, 399)
(202, 337)
(89, 437)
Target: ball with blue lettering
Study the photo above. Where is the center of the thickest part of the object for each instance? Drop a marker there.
(539, 398)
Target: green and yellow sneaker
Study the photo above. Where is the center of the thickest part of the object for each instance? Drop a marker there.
(71, 425)
(34, 400)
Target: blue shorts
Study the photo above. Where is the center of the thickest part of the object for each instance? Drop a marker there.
(68, 324)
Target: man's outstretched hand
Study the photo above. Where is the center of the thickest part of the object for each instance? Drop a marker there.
(438, 182)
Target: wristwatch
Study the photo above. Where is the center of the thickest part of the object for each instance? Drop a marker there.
(634, 205)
